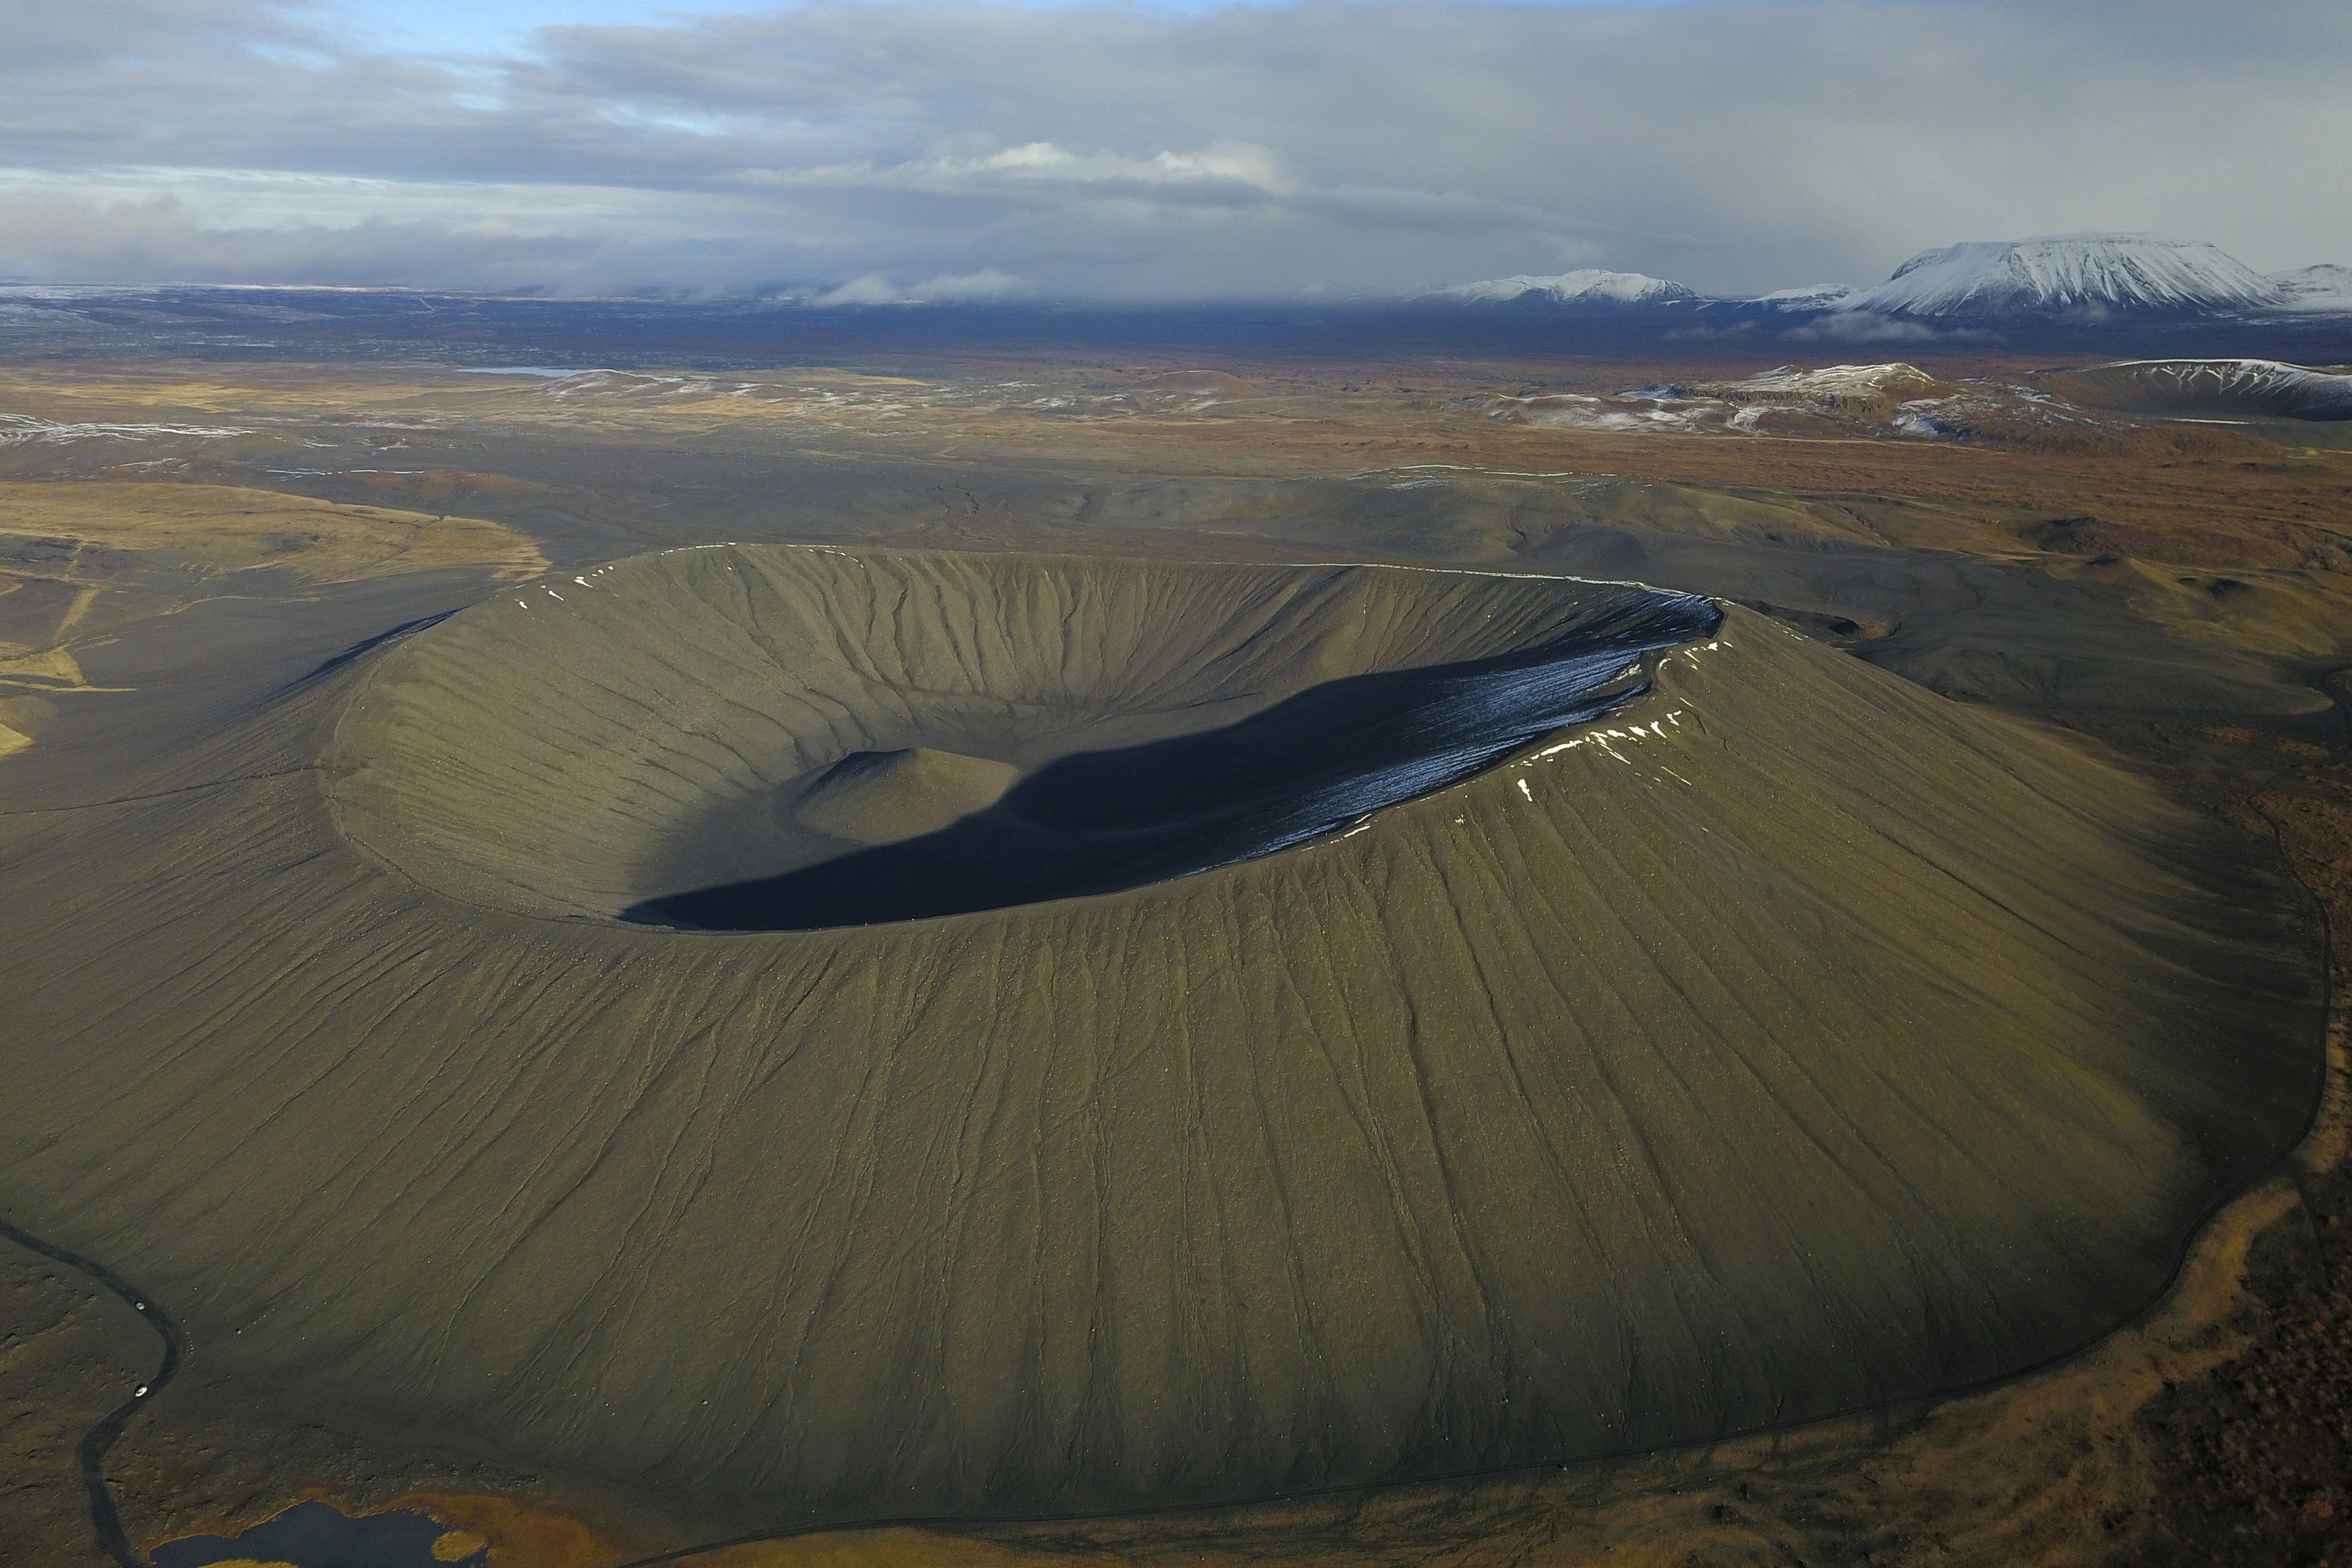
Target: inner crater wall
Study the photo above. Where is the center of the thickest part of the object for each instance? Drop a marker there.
(549, 751)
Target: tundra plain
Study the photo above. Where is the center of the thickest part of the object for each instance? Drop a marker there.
(2082, 658)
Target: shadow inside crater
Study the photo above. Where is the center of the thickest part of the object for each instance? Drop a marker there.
(1105, 821)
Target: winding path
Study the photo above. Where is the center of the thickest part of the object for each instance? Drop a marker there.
(92, 1452)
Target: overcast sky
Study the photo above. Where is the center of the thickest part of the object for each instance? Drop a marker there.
(946, 150)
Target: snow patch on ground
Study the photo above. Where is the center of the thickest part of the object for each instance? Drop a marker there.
(1575, 411)
(1836, 384)
(1712, 407)
(24, 429)
(1893, 398)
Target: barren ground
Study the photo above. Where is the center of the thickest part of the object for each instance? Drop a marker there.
(2181, 595)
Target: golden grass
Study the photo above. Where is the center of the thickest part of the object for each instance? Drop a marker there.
(97, 536)
(217, 529)
(519, 1534)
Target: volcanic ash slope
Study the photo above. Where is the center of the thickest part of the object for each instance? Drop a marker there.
(1787, 1040)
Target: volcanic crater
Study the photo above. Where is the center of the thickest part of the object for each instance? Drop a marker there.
(1485, 1020)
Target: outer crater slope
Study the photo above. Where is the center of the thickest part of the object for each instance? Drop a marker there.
(1783, 1041)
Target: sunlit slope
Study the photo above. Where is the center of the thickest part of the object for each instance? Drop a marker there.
(1787, 1041)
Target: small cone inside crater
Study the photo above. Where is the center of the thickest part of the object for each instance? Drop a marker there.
(881, 797)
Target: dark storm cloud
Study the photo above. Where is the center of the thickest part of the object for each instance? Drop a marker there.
(1259, 150)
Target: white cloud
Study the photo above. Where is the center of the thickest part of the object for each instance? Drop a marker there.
(1116, 152)
(968, 288)
(1865, 327)
(1235, 163)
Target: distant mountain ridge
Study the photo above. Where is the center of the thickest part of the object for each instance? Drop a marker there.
(2077, 278)
(1586, 284)
(2325, 288)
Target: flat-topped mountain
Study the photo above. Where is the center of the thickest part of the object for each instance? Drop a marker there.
(2080, 273)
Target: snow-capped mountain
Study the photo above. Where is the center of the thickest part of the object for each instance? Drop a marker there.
(2324, 289)
(2067, 283)
(1586, 285)
(2070, 274)
(1815, 296)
